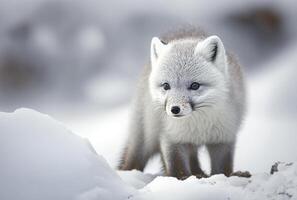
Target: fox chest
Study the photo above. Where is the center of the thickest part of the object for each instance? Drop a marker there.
(201, 130)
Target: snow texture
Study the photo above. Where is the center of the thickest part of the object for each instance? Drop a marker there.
(280, 185)
(136, 178)
(41, 159)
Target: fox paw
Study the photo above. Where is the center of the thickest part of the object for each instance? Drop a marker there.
(182, 177)
(201, 175)
(245, 174)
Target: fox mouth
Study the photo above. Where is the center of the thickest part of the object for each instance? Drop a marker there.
(178, 116)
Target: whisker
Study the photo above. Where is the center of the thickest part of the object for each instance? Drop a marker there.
(202, 105)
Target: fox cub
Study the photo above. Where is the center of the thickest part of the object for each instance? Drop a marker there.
(191, 94)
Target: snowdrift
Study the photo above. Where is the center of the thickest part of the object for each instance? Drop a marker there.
(41, 159)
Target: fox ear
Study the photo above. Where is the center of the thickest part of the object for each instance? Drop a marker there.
(157, 47)
(213, 50)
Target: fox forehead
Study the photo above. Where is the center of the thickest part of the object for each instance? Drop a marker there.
(181, 69)
(180, 54)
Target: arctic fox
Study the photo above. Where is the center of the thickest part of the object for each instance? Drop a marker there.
(191, 94)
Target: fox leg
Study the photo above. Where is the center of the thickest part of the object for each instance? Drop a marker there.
(221, 157)
(194, 162)
(175, 158)
(133, 158)
(134, 155)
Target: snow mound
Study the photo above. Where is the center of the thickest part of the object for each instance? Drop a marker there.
(280, 185)
(41, 159)
(136, 178)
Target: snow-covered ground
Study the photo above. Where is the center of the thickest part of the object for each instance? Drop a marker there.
(280, 185)
(41, 159)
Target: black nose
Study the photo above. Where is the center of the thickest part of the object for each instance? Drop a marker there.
(175, 110)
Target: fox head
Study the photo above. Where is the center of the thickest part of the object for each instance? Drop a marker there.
(188, 75)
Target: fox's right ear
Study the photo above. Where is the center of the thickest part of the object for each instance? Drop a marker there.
(213, 50)
(157, 47)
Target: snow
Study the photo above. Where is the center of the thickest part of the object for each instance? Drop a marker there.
(280, 185)
(136, 178)
(41, 159)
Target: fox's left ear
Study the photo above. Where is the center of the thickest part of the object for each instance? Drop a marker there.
(213, 50)
(157, 48)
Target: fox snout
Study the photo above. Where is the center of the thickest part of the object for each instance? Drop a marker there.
(178, 109)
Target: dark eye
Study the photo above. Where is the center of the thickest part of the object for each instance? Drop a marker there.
(194, 86)
(166, 86)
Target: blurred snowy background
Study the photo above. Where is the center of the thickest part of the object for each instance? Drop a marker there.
(78, 61)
